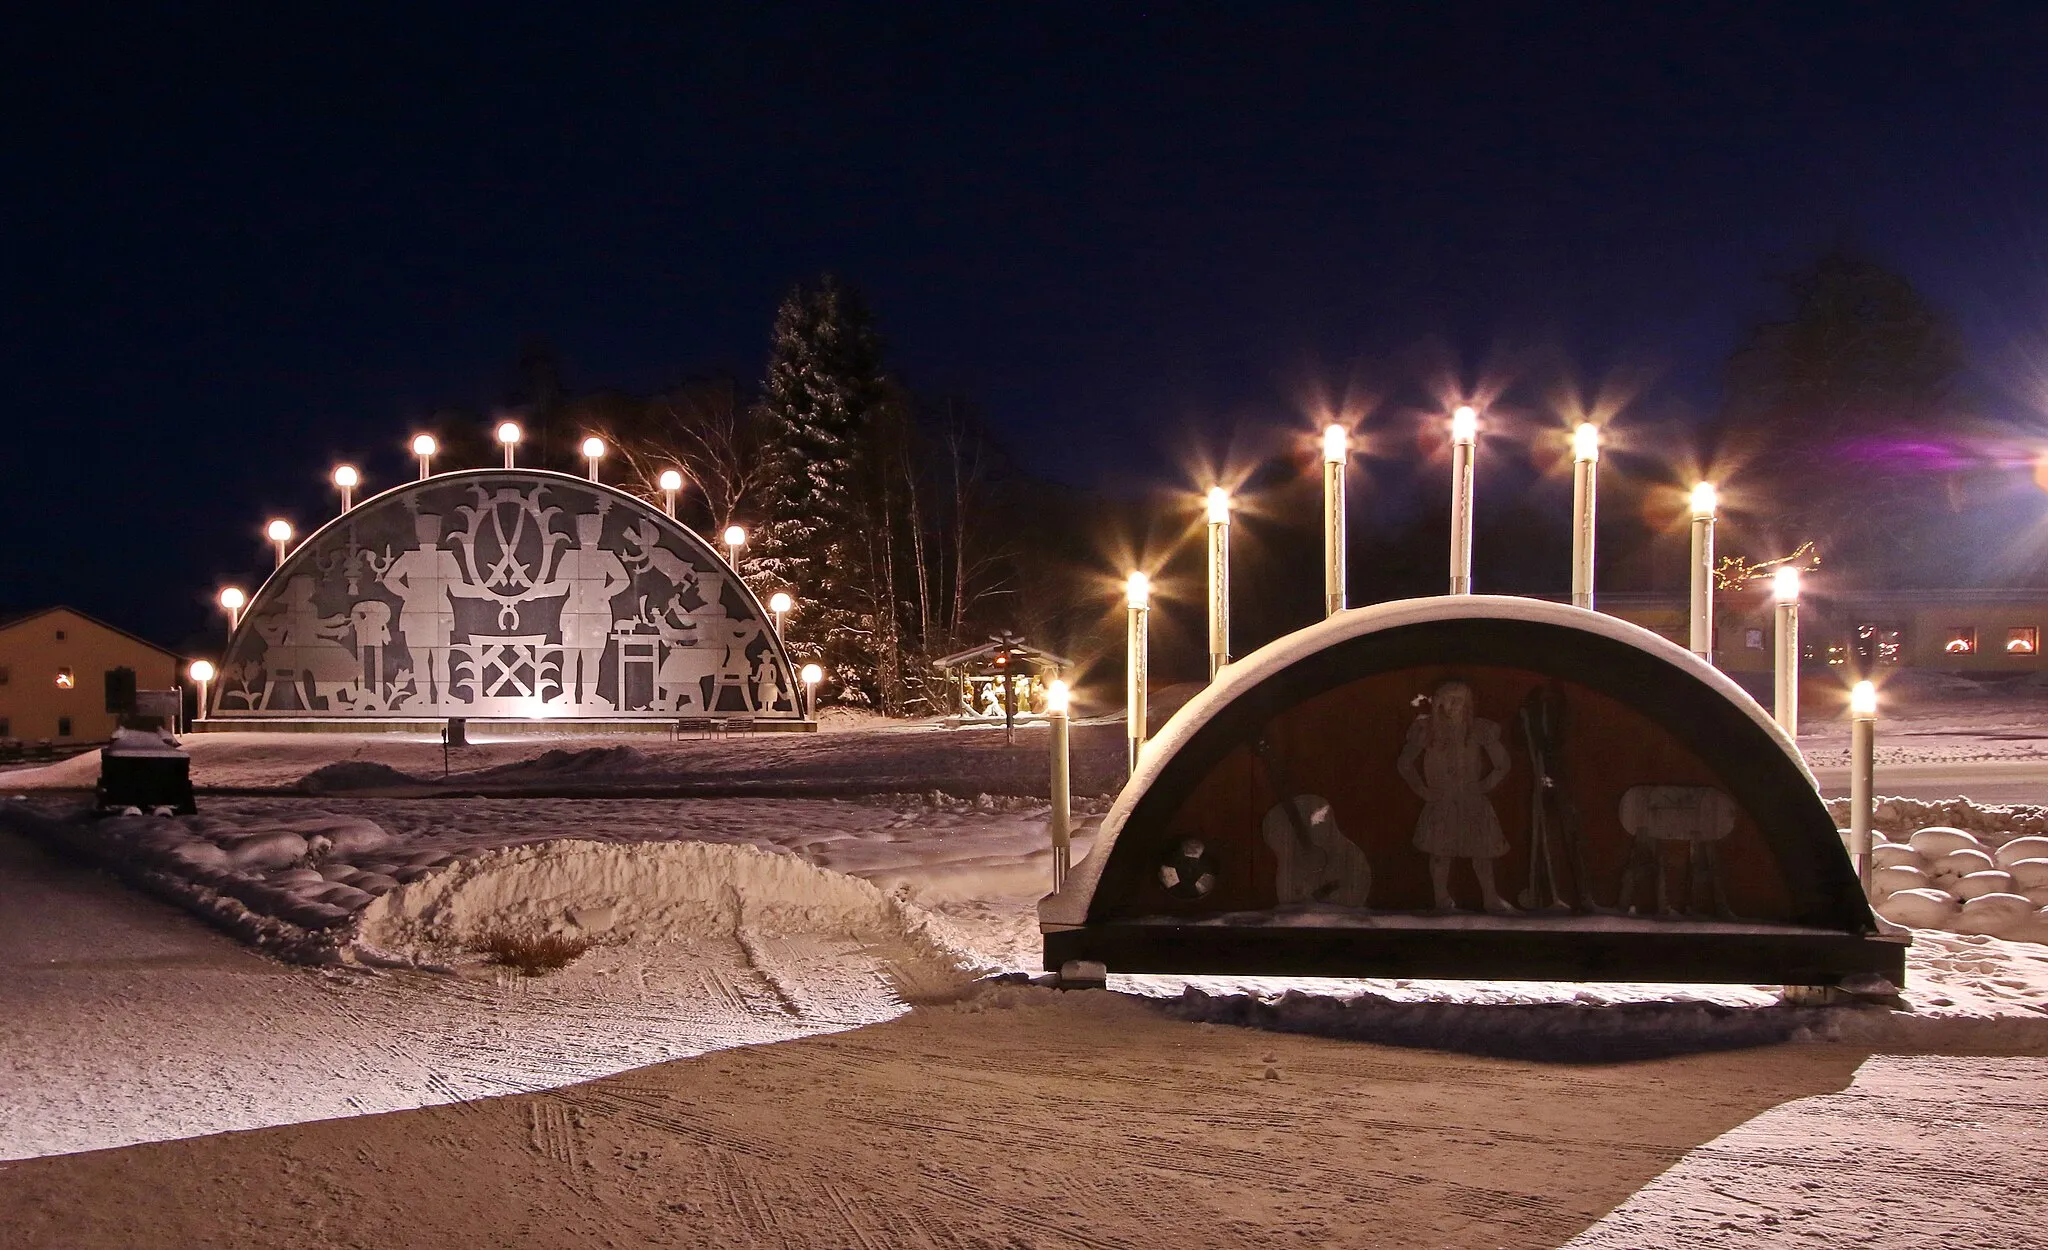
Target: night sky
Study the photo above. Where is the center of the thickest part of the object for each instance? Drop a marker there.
(241, 245)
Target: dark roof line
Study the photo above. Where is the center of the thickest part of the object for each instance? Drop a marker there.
(22, 618)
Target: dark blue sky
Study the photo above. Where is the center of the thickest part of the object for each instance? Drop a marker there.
(241, 245)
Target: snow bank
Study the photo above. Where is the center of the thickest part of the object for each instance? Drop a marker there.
(344, 776)
(1959, 866)
(641, 893)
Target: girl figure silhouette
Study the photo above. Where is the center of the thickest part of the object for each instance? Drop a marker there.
(1453, 760)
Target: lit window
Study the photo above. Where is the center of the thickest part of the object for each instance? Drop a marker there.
(64, 680)
(1962, 640)
(1837, 653)
(1891, 646)
(2025, 640)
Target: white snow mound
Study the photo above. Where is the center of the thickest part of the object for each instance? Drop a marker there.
(643, 893)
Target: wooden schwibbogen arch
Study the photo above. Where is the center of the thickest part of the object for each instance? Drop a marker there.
(1641, 818)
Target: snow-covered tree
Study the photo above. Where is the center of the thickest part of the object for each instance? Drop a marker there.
(824, 527)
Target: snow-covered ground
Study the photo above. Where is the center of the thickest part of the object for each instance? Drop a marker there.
(906, 1101)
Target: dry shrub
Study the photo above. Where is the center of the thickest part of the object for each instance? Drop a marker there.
(531, 954)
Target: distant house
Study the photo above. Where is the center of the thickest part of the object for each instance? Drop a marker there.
(66, 677)
(1985, 632)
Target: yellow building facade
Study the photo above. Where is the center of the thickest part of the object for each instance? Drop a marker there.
(57, 667)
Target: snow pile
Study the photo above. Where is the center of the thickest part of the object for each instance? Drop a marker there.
(1986, 874)
(618, 894)
(344, 776)
(609, 763)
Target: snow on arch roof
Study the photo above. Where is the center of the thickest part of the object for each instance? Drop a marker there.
(515, 593)
(1237, 679)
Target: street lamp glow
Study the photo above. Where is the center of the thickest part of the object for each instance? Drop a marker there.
(735, 538)
(509, 435)
(812, 674)
(1863, 699)
(1705, 499)
(1219, 505)
(1138, 590)
(346, 479)
(593, 451)
(1059, 698)
(780, 602)
(1464, 424)
(1336, 443)
(1785, 584)
(424, 446)
(232, 598)
(1586, 442)
(201, 671)
(670, 482)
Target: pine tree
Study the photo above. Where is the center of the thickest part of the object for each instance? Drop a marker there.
(824, 529)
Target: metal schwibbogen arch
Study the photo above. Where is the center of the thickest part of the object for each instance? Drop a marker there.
(1472, 786)
(504, 594)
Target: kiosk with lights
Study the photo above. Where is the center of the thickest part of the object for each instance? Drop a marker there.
(503, 594)
(1472, 786)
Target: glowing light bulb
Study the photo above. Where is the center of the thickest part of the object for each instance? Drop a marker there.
(232, 598)
(1586, 441)
(279, 531)
(201, 671)
(671, 480)
(509, 432)
(425, 445)
(735, 536)
(1785, 584)
(346, 477)
(1058, 698)
(1464, 424)
(1219, 505)
(1705, 499)
(780, 602)
(1863, 699)
(1137, 590)
(593, 448)
(1336, 443)
(812, 674)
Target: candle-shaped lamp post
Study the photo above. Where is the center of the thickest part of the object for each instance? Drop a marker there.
(1585, 505)
(780, 603)
(671, 483)
(509, 435)
(1336, 461)
(1464, 442)
(593, 451)
(1219, 579)
(1057, 698)
(231, 601)
(280, 533)
(424, 446)
(811, 675)
(202, 673)
(1862, 772)
(346, 479)
(1138, 603)
(1785, 592)
(735, 538)
(1704, 501)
